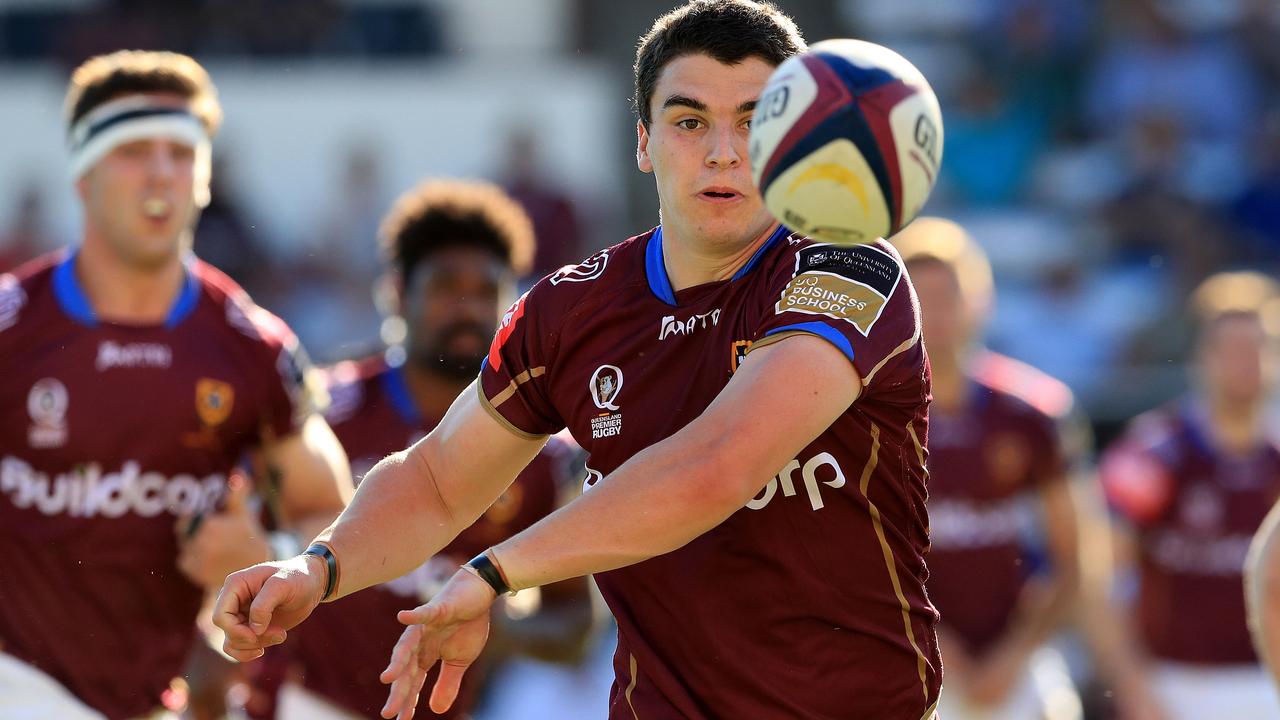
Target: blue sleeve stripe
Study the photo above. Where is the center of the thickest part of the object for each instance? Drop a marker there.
(822, 330)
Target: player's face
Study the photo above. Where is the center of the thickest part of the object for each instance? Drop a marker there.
(696, 148)
(141, 198)
(947, 317)
(1238, 360)
(451, 305)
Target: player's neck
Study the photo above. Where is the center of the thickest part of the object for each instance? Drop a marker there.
(949, 381)
(690, 262)
(1237, 425)
(120, 292)
(432, 393)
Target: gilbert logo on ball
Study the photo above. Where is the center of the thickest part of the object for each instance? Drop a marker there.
(846, 142)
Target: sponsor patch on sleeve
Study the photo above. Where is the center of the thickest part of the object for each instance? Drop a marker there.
(845, 283)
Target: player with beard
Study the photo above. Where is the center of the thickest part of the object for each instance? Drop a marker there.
(1191, 483)
(133, 378)
(754, 407)
(454, 251)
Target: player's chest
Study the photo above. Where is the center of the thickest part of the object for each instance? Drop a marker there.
(980, 455)
(1224, 495)
(628, 381)
(94, 395)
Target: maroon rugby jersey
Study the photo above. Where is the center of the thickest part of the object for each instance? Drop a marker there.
(108, 433)
(1195, 509)
(809, 602)
(344, 645)
(986, 463)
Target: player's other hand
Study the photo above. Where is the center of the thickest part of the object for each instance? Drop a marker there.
(451, 629)
(259, 605)
(217, 545)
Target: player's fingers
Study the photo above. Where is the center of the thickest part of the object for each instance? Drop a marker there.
(274, 592)
(399, 693)
(446, 689)
(237, 499)
(429, 614)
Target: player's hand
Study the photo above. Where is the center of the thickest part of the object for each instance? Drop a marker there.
(223, 542)
(259, 605)
(452, 629)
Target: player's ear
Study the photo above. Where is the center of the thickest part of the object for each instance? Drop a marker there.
(388, 293)
(642, 148)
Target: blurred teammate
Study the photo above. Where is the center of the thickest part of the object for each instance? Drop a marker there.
(998, 461)
(455, 251)
(1192, 483)
(754, 406)
(132, 378)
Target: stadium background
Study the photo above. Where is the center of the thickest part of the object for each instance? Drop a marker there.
(1108, 154)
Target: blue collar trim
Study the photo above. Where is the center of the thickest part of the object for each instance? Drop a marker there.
(66, 288)
(656, 269)
(397, 390)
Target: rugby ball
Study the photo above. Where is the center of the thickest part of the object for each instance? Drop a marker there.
(846, 142)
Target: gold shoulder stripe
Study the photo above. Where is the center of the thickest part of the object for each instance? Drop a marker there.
(888, 554)
(493, 412)
(519, 380)
(631, 686)
(909, 342)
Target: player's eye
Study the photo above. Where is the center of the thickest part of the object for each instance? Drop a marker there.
(689, 123)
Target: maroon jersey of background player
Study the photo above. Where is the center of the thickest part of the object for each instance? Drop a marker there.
(985, 465)
(808, 602)
(108, 434)
(374, 415)
(1195, 509)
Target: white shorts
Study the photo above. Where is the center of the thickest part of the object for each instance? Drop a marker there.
(298, 703)
(1043, 692)
(28, 694)
(1194, 692)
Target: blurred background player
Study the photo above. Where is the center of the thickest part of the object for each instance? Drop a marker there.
(134, 378)
(1003, 558)
(454, 250)
(1190, 483)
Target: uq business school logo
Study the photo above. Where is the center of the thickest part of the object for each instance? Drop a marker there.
(47, 404)
(605, 386)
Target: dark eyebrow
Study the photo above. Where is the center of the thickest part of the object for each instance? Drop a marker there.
(681, 100)
(685, 101)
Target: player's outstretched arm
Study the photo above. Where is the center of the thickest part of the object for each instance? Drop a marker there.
(1262, 591)
(780, 399)
(407, 508)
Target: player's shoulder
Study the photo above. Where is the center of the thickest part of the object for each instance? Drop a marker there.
(237, 310)
(1022, 386)
(599, 273)
(350, 384)
(22, 285)
(1161, 432)
(877, 263)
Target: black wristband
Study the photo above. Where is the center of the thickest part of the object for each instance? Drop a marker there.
(331, 563)
(489, 573)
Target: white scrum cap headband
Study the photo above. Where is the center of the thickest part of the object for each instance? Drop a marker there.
(131, 118)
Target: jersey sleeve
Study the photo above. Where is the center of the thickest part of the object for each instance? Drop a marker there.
(1049, 458)
(514, 380)
(1139, 486)
(296, 391)
(855, 297)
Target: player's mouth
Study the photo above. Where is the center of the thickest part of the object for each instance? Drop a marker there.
(720, 194)
(157, 209)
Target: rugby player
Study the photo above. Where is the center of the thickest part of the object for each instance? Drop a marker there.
(134, 378)
(454, 251)
(1192, 482)
(1002, 442)
(754, 408)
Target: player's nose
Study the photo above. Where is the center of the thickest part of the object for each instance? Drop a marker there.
(724, 151)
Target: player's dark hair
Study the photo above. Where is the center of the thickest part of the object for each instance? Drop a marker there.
(104, 78)
(728, 30)
(449, 213)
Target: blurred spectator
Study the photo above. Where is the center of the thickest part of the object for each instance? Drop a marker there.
(226, 240)
(24, 238)
(555, 222)
(1257, 210)
(992, 142)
